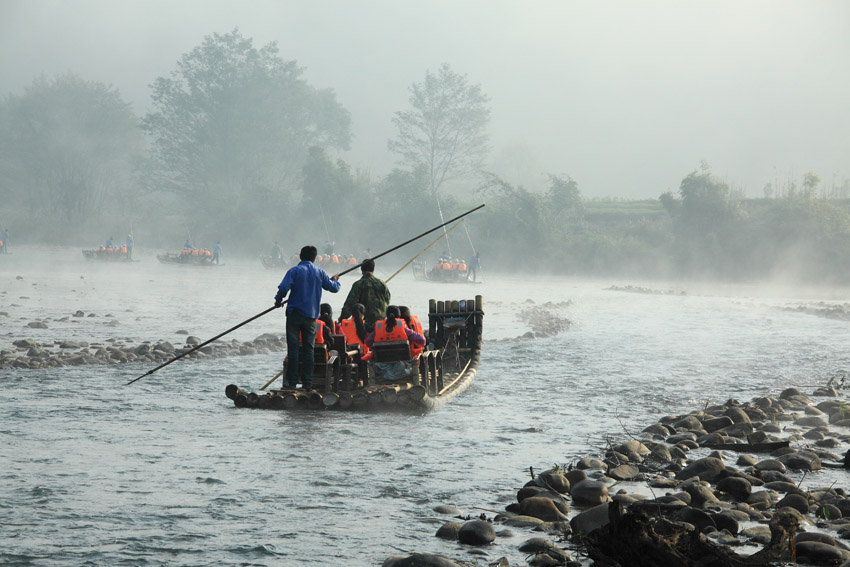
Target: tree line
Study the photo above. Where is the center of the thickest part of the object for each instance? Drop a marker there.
(239, 147)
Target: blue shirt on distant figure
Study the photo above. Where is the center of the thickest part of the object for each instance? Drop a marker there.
(306, 282)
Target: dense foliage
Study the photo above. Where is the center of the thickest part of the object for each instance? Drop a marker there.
(232, 132)
(68, 148)
(240, 148)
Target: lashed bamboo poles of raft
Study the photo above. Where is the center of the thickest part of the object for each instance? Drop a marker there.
(433, 392)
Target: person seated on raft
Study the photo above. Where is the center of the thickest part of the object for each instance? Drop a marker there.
(354, 328)
(393, 328)
(412, 322)
(326, 315)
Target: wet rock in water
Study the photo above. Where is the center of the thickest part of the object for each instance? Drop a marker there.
(556, 480)
(544, 508)
(697, 518)
(37, 325)
(796, 501)
(449, 531)
(78, 313)
(589, 492)
(589, 463)
(192, 340)
(142, 349)
(419, 560)
(820, 553)
(181, 332)
(476, 532)
(70, 344)
(590, 519)
(27, 343)
(726, 521)
(708, 468)
(828, 512)
(811, 421)
(701, 494)
(770, 465)
(91, 315)
(520, 521)
(738, 488)
(624, 472)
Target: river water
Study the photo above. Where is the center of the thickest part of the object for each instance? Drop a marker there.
(168, 472)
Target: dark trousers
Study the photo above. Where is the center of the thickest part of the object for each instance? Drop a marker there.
(299, 326)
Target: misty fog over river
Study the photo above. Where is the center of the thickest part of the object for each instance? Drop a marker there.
(168, 471)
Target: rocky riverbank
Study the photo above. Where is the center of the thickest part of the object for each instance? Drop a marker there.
(727, 485)
(29, 353)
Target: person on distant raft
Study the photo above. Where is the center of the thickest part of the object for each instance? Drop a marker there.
(109, 242)
(216, 253)
(369, 291)
(188, 246)
(304, 284)
(129, 244)
(473, 266)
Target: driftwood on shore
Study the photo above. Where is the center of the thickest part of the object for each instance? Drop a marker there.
(634, 539)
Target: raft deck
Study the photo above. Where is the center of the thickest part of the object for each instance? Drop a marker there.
(343, 381)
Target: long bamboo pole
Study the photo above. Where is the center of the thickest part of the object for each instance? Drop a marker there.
(231, 329)
(397, 272)
(258, 315)
(394, 248)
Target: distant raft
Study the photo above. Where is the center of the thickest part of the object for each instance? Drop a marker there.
(343, 381)
(188, 257)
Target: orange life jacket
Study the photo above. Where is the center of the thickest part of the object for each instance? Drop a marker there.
(352, 261)
(123, 249)
(397, 334)
(463, 266)
(334, 259)
(207, 253)
(195, 252)
(350, 332)
(319, 259)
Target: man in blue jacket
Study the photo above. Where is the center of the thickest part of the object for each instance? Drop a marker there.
(304, 283)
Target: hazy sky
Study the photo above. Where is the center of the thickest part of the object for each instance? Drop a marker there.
(626, 97)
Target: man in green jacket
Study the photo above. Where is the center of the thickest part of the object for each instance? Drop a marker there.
(369, 291)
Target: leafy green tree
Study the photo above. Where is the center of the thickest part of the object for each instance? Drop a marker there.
(564, 199)
(337, 198)
(445, 130)
(811, 181)
(68, 149)
(232, 128)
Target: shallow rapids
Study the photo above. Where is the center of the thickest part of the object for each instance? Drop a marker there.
(167, 471)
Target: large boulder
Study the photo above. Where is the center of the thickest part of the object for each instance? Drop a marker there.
(449, 530)
(801, 461)
(708, 468)
(544, 508)
(419, 560)
(738, 488)
(590, 519)
(589, 492)
(476, 532)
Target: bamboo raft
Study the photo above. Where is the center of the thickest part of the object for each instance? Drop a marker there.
(344, 382)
